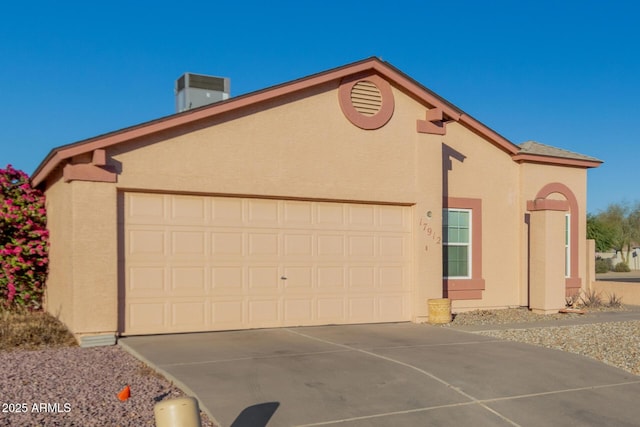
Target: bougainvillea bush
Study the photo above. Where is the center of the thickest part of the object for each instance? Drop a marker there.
(24, 241)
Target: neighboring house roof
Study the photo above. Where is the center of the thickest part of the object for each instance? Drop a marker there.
(536, 148)
(58, 156)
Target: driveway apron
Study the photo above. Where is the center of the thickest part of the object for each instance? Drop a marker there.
(399, 374)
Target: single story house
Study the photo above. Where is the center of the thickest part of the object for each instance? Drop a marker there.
(353, 195)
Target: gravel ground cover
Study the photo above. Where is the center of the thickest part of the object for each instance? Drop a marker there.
(614, 343)
(76, 386)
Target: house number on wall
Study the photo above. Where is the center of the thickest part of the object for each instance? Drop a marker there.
(429, 232)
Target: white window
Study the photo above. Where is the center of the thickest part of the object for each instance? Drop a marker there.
(456, 232)
(567, 245)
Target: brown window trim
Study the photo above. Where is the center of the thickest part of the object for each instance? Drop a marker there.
(463, 289)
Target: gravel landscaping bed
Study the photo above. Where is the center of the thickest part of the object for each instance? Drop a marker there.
(614, 343)
(515, 315)
(78, 387)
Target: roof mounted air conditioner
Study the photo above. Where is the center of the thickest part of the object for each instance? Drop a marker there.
(196, 90)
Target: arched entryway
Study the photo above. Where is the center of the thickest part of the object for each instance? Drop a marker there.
(573, 282)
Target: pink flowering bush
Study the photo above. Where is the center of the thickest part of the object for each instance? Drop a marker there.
(24, 241)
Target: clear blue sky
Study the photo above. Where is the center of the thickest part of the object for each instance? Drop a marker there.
(563, 73)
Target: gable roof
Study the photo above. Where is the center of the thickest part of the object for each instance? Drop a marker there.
(537, 152)
(59, 155)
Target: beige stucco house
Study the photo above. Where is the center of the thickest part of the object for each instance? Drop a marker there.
(349, 196)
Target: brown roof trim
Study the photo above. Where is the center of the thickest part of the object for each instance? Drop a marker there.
(58, 155)
(557, 161)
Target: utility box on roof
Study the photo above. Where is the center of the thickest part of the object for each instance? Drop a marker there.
(196, 90)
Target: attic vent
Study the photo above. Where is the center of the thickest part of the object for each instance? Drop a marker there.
(366, 98)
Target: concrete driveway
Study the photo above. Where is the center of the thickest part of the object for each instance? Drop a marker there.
(398, 374)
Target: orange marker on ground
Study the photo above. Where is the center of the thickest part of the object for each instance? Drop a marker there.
(125, 393)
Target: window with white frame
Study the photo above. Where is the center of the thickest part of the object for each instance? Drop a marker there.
(567, 245)
(456, 232)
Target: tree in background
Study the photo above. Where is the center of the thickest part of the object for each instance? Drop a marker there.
(601, 232)
(619, 223)
(24, 241)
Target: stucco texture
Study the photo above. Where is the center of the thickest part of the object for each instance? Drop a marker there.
(300, 146)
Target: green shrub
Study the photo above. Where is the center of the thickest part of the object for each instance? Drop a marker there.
(621, 267)
(603, 265)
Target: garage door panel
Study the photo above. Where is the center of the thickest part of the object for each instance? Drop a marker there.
(228, 278)
(330, 215)
(297, 214)
(196, 263)
(361, 216)
(189, 315)
(227, 243)
(263, 212)
(188, 243)
(298, 245)
(228, 312)
(394, 218)
(362, 308)
(227, 211)
(362, 246)
(263, 244)
(264, 312)
(331, 309)
(298, 278)
(146, 281)
(188, 210)
(298, 311)
(391, 306)
(151, 242)
(263, 277)
(146, 209)
(331, 245)
(330, 278)
(147, 316)
(362, 278)
(188, 281)
(393, 246)
(392, 278)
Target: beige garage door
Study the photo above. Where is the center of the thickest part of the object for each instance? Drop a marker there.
(195, 263)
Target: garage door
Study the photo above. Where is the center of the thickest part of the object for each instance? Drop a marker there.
(195, 263)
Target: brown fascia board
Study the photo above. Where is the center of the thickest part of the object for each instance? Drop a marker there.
(59, 154)
(404, 82)
(424, 94)
(557, 161)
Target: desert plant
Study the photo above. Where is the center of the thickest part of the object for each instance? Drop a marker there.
(23, 241)
(615, 301)
(591, 298)
(603, 265)
(621, 267)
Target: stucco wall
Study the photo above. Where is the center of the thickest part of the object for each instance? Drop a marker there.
(302, 146)
(82, 282)
(489, 174)
(95, 271)
(534, 177)
(629, 292)
(59, 290)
